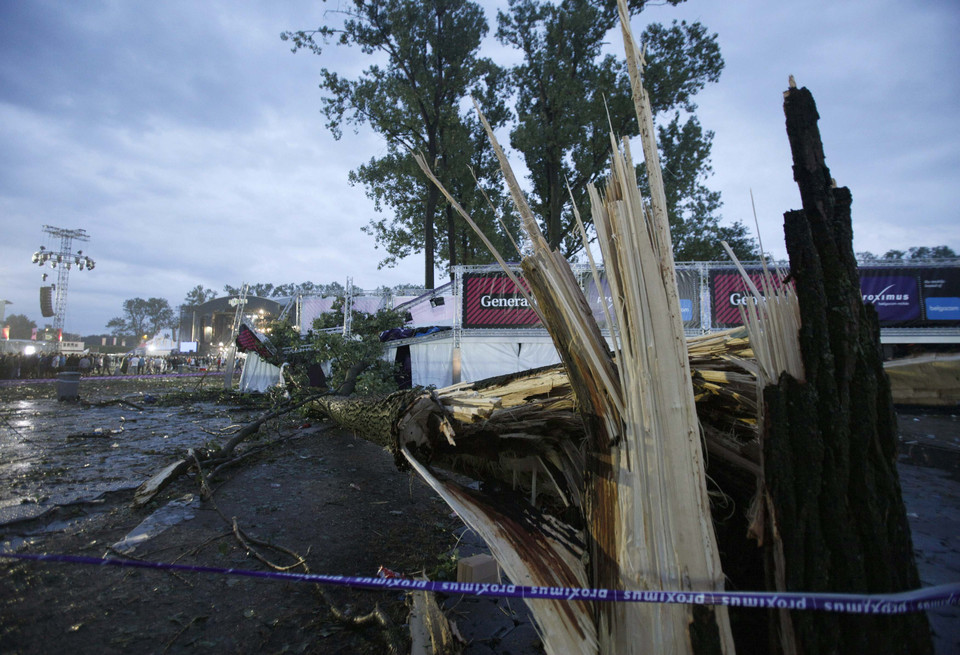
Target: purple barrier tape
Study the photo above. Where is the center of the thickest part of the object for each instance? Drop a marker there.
(899, 603)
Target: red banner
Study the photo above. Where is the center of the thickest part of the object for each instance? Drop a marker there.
(492, 300)
(729, 292)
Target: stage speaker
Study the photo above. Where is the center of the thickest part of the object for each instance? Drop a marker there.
(46, 301)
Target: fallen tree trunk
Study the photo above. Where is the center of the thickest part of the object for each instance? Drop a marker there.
(522, 432)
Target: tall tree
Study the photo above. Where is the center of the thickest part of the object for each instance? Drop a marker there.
(20, 326)
(134, 319)
(199, 295)
(414, 101)
(118, 327)
(569, 97)
(142, 317)
(159, 314)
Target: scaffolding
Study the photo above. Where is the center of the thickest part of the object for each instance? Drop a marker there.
(63, 260)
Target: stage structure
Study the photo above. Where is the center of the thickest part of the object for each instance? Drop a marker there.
(63, 260)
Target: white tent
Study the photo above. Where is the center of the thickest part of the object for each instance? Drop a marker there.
(258, 375)
(434, 361)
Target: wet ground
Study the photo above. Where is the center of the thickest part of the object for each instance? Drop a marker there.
(930, 478)
(67, 476)
(67, 472)
(54, 453)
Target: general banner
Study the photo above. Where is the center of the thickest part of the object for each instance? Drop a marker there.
(941, 296)
(492, 300)
(728, 292)
(903, 296)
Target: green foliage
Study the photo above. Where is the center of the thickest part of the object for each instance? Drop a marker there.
(282, 335)
(415, 98)
(919, 252)
(446, 566)
(118, 327)
(362, 346)
(141, 317)
(20, 326)
(260, 290)
(199, 295)
(569, 97)
(318, 347)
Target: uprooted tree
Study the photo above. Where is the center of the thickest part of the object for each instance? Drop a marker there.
(594, 473)
(827, 515)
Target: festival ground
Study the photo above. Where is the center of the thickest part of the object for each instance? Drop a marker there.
(67, 475)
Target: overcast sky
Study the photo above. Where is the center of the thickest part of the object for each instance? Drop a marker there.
(187, 140)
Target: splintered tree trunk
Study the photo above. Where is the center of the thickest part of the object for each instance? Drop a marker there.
(830, 442)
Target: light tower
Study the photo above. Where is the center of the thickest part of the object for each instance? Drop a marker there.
(63, 260)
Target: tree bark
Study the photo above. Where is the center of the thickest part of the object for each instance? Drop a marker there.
(429, 242)
(830, 442)
(451, 241)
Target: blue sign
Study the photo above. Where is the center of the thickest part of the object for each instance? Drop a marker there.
(943, 309)
(895, 297)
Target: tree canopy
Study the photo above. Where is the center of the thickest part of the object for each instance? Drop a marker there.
(199, 295)
(287, 290)
(142, 317)
(21, 327)
(922, 252)
(415, 99)
(569, 96)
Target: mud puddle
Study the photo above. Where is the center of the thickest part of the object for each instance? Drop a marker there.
(54, 453)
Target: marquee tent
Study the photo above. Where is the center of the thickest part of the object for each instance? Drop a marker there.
(258, 376)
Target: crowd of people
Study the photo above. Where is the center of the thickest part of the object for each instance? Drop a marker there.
(19, 366)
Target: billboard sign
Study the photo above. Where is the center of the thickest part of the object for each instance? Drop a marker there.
(917, 296)
(688, 288)
(729, 292)
(903, 296)
(941, 296)
(492, 300)
(893, 292)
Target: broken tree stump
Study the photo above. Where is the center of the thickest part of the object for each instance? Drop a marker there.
(830, 441)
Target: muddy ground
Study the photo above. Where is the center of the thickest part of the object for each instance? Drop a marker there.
(320, 493)
(335, 500)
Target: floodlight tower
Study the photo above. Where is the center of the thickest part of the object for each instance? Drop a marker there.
(63, 260)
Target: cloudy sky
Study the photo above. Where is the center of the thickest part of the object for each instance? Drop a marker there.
(186, 138)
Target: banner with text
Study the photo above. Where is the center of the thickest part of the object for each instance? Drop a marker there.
(920, 296)
(492, 300)
(907, 296)
(728, 292)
